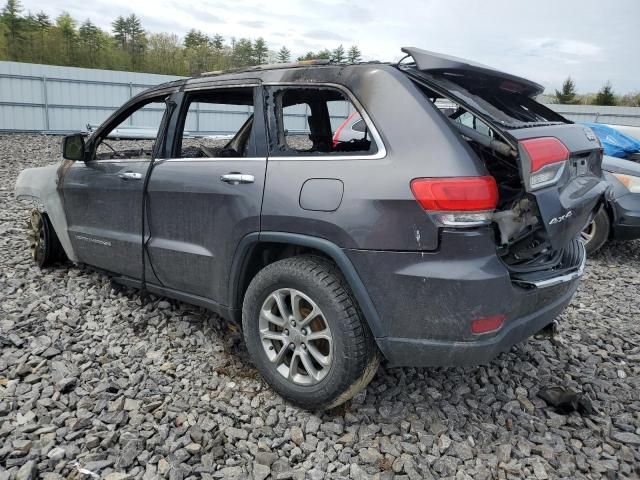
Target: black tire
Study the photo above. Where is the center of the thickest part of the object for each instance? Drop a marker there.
(45, 246)
(596, 234)
(354, 354)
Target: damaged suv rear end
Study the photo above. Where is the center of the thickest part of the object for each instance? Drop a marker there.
(508, 256)
(441, 232)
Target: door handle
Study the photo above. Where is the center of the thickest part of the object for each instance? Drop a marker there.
(130, 176)
(237, 178)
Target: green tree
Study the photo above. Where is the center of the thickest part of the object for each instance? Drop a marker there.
(120, 31)
(137, 40)
(43, 23)
(325, 54)
(217, 42)
(14, 27)
(630, 100)
(67, 27)
(567, 95)
(260, 51)
(284, 55)
(242, 53)
(338, 54)
(195, 38)
(605, 96)
(354, 55)
(164, 54)
(91, 41)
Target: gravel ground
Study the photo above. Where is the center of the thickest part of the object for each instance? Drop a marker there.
(94, 380)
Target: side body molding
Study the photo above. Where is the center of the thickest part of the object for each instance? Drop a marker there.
(239, 267)
(41, 184)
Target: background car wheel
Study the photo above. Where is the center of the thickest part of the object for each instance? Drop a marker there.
(305, 333)
(596, 233)
(43, 241)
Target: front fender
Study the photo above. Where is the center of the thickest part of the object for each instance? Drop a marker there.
(41, 184)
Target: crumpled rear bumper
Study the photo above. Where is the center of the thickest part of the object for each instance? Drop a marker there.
(427, 301)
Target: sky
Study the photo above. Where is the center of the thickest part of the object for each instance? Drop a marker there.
(543, 40)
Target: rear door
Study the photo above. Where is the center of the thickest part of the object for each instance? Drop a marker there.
(103, 196)
(208, 196)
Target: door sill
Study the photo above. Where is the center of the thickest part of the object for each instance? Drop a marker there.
(225, 312)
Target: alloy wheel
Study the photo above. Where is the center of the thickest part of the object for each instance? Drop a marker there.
(37, 237)
(296, 336)
(588, 233)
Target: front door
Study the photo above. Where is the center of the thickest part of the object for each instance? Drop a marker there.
(103, 196)
(209, 196)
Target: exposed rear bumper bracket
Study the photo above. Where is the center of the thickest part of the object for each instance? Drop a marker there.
(565, 277)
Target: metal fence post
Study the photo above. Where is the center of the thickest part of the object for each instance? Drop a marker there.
(46, 103)
(130, 96)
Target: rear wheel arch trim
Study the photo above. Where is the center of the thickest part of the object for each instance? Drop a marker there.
(249, 242)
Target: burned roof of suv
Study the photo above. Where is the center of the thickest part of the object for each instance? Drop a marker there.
(423, 60)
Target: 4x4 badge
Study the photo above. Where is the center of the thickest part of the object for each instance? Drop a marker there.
(590, 135)
(561, 218)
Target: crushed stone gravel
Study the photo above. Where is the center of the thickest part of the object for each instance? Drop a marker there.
(96, 383)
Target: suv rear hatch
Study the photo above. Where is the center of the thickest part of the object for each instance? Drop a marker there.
(548, 170)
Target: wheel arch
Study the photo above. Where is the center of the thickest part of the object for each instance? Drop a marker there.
(42, 186)
(246, 263)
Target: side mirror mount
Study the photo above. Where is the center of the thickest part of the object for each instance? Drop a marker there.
(73, 147)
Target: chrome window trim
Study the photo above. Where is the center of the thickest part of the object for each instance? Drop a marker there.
(214, 159)
(382, 150)
(189, 159)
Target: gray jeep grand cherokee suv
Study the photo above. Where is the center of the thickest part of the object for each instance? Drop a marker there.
(443, 235)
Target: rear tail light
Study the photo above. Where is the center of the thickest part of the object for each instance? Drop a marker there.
(487, 324)
(457, 201)
(548, 157)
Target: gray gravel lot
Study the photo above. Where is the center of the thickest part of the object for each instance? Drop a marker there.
(94, 380)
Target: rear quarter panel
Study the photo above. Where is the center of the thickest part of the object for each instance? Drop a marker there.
(378, 210)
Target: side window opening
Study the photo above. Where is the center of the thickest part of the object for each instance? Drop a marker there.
(311, 122)
(218, 124)
(133, 137)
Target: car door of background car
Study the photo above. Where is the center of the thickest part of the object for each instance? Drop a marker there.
(206, 198)
(103, 195)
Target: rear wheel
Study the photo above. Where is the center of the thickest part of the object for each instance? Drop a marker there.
(595, 235)
(43, 241)
(305, 333)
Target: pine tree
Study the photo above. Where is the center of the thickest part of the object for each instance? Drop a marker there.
(137, 39)
(43, 23)
(338, 55)
(605, 96)
(260, 51)
(67, 26)
(217, 42)
(242, 52)
(120, 33)
(195, 38)
(14, 23)
(284, 55)
(568, 94)
(354, 55)
(90, 37)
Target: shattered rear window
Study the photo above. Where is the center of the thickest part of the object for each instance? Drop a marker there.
(494, 97)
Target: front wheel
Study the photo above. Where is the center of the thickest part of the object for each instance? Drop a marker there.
(43, 241)
(595, 235)
(306, 334)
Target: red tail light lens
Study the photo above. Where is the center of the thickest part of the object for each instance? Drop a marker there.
(488, 324)
(544, 151)
(456, 194)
